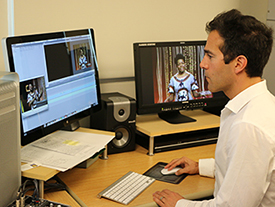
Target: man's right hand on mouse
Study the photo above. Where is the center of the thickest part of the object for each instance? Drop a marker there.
(188, 166)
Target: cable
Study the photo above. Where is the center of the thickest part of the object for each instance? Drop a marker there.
(23, 199)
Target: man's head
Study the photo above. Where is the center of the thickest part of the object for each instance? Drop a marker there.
(243, 35)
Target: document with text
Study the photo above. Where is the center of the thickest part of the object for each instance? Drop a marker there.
(62, 150)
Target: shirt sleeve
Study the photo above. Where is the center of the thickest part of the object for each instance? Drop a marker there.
(171, 86)
(187, 203)
(248, 167)
(207, 167)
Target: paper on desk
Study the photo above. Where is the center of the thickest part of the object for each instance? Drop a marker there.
(63, 150)
(63, 143)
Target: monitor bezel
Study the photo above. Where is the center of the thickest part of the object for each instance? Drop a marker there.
(9, 62)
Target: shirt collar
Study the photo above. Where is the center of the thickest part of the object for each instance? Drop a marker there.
(239, 101)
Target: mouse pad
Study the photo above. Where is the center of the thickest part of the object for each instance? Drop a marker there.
(154, 172)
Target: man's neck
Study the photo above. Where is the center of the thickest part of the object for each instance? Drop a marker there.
(241, 85)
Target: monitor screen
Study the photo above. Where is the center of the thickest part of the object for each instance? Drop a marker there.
(58, 75)
(168, 79)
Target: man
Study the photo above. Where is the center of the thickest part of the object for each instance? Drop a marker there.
(237, 49)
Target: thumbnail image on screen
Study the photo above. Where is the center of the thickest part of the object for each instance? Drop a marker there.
(33, 95)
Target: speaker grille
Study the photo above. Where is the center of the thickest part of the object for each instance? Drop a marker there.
(122, 137)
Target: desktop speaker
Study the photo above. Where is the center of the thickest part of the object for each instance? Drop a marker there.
(117, 114)
(10, 162)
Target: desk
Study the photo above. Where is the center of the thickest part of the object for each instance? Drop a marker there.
(153, 126)
(85, 184)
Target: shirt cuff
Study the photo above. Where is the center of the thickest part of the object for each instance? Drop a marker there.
(207, 167)
(182, 202)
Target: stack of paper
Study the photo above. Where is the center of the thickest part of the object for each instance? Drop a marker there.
(62, 150)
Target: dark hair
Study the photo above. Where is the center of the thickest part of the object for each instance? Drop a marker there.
(178, 57)
(243, 35)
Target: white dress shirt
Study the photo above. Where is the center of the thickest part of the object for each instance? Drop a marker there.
(245, 153)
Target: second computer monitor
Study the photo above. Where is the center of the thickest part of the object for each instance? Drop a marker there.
(58, 75)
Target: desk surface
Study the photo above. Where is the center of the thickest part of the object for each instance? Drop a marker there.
(87, 183)
(61, 197)
(152, 125)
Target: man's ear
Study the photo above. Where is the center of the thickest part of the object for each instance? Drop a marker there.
(240, 64)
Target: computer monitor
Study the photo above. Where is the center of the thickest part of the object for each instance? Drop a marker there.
(58, 74)
(169, 79)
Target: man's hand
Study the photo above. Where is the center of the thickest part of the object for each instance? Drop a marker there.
(166, 198)
(189, 166)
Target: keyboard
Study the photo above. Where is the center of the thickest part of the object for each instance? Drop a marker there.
(127, 188)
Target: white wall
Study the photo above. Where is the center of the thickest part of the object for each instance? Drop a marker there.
(269, 72)
(257, 8)
(120, 23)
(4, 28)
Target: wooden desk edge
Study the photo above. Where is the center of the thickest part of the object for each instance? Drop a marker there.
(198, 195)
(40, 173)
(61, 197)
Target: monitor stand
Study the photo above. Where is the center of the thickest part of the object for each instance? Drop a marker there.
(175, 117)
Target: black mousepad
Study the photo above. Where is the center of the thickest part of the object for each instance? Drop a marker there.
(154, 172)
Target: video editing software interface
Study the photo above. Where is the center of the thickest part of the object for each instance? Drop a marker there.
(57, 79)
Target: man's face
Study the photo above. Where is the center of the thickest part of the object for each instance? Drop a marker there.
(220, 76)
(181, 65)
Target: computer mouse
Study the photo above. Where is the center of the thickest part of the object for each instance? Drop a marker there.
(170, 172)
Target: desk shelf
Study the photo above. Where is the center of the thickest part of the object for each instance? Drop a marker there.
(157, 135)
(178, 140)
